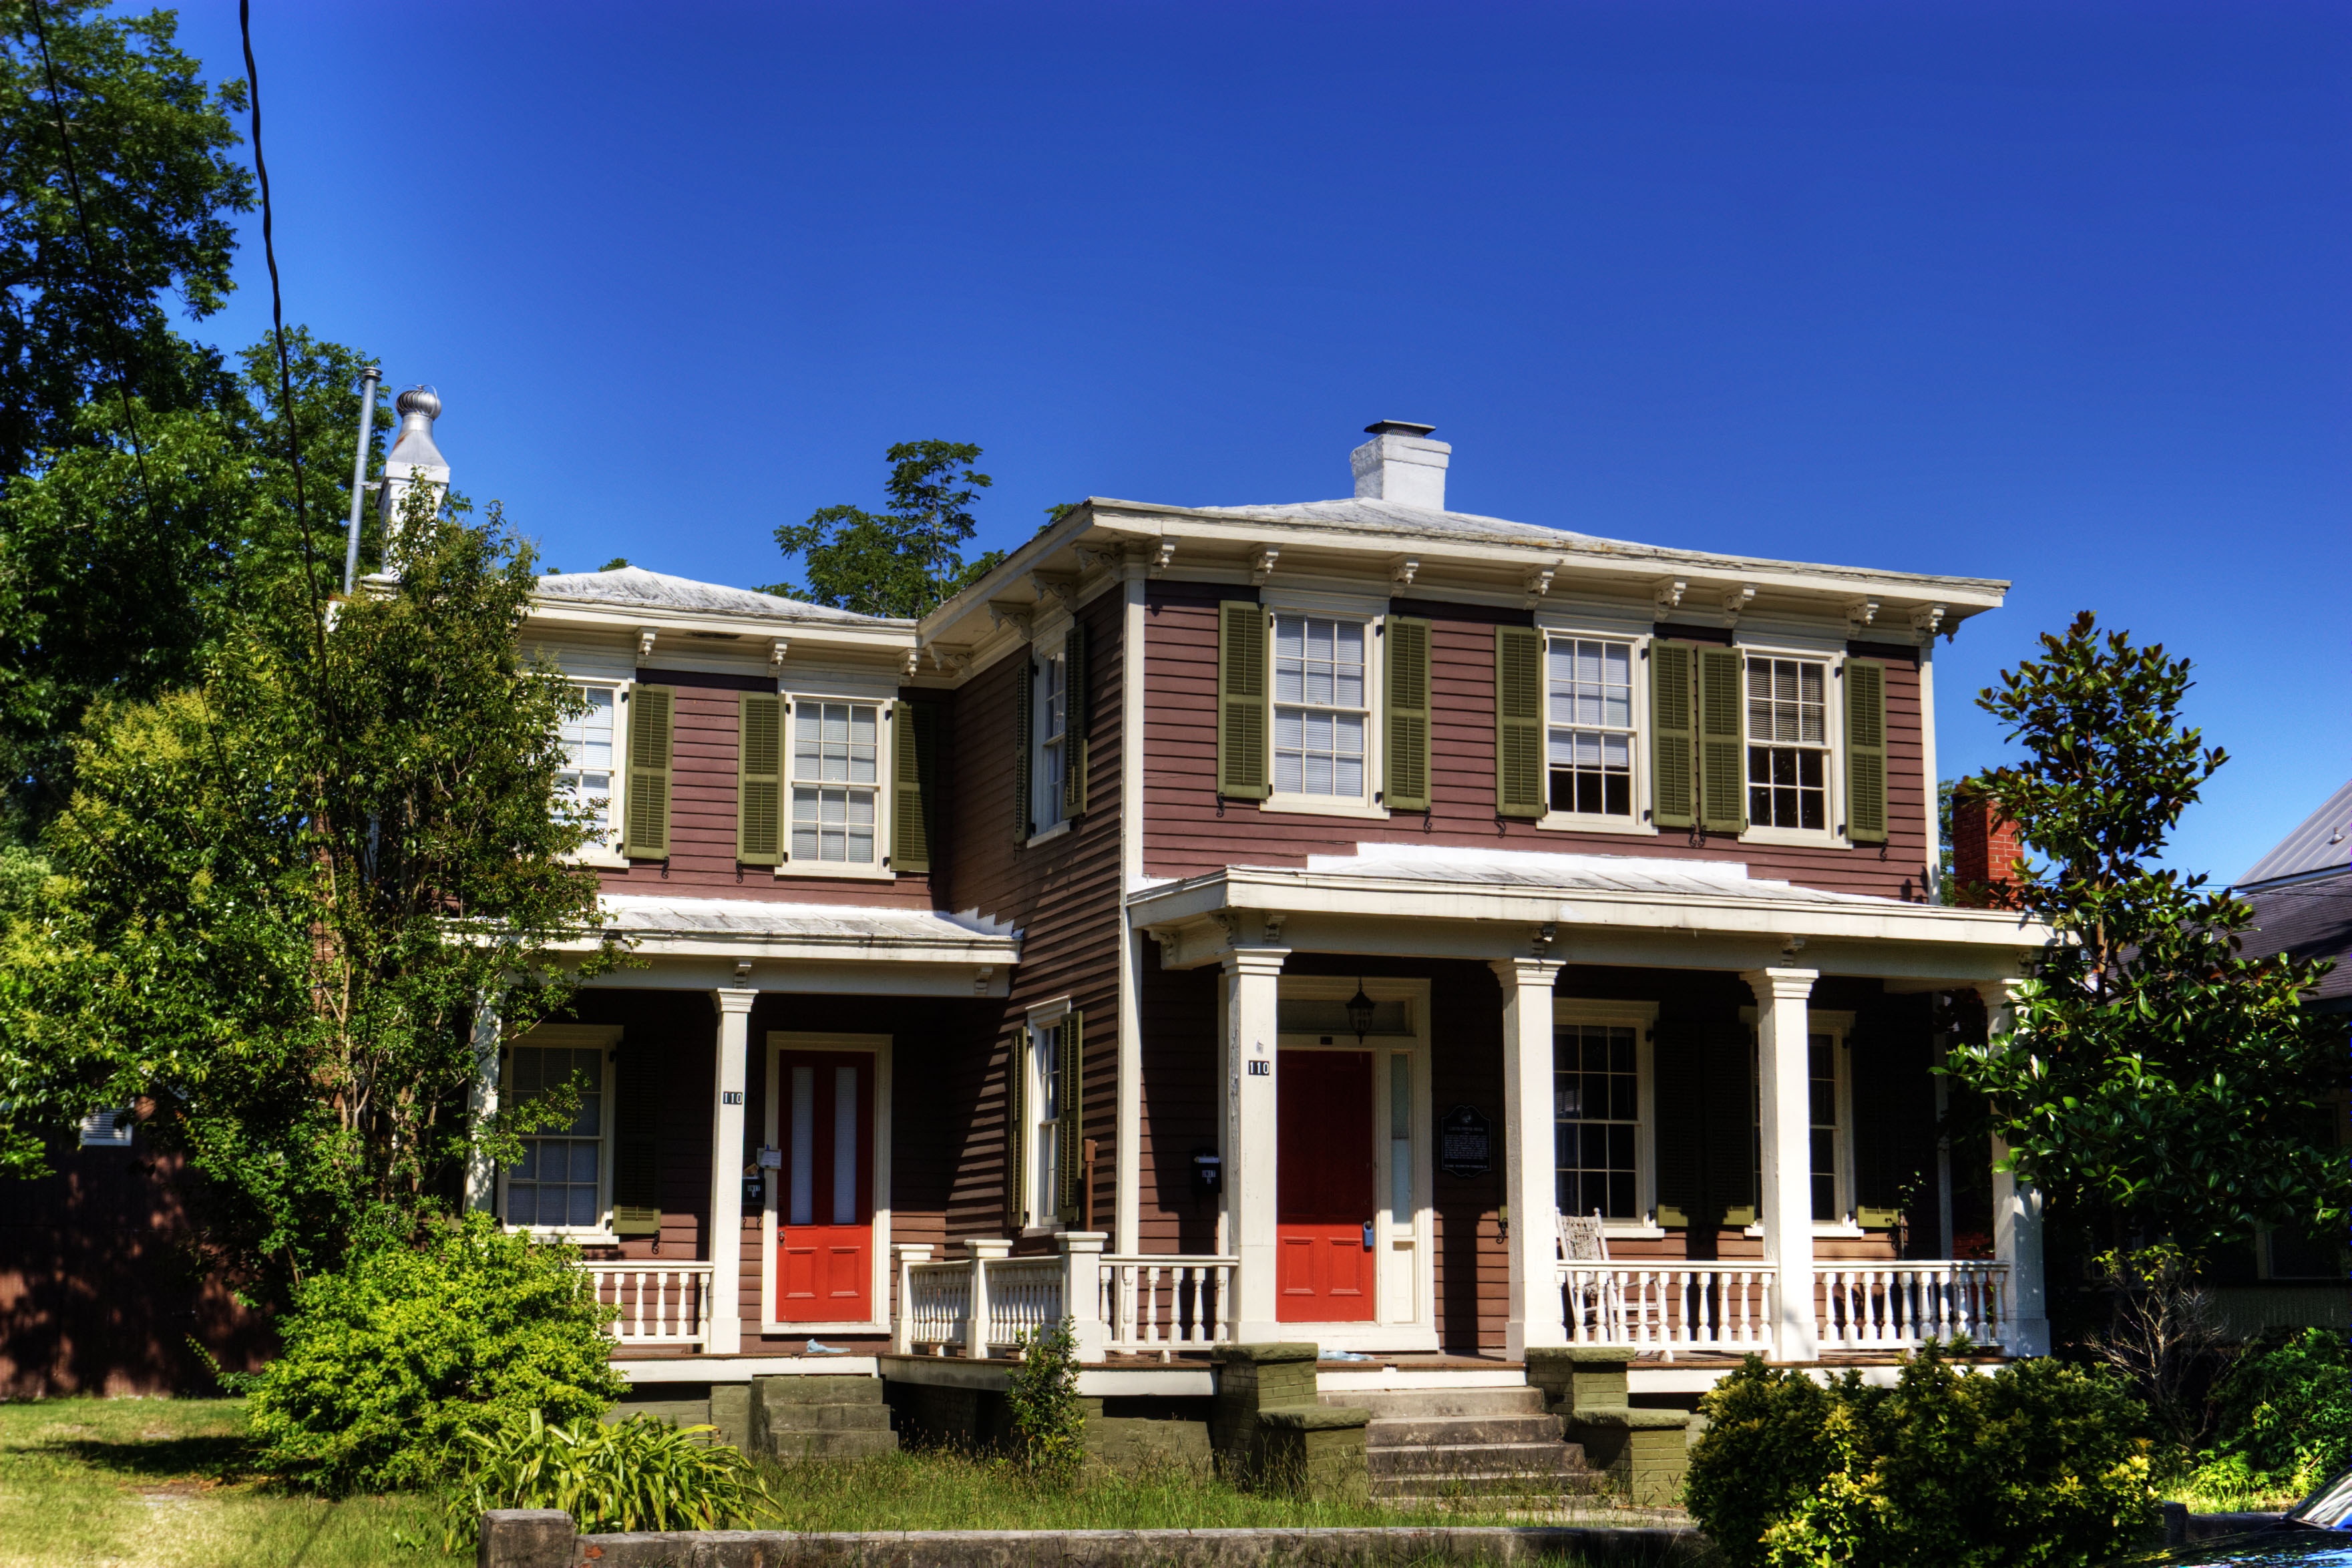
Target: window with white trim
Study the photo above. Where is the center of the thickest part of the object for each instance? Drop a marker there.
(1046, 1120)
(1830, 1134)
(836, 774)
(109, 1129)
(1590, 726)
(1597, 1117)
(1321, 714)
(1787, 742)
(587, 778)
(563, 1179)
(1053, 724)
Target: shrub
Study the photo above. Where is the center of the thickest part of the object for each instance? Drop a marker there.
(637, 1474)
(391, 1363)
(2036, 1464)
(1049, 1424)
(2284, 1416)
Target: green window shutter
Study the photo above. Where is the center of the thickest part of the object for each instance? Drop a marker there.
(760, 780)
(1073, 1124)
(1518, 722)
(913, 755)
(1866, 750)
(1405, 723)
(1076, 713)
(1024, 722)
(647, 832)
(1243, 717)
(1723, 784)
(1674, 736)
(1016, 1125)
(636, 1142)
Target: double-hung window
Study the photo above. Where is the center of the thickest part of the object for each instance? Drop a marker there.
(1590, 735)
(1046, 1126)
(1829, 1129)
(1597, 1111)
(561, 1181)
(1787, 744)
(1321, 714)
(1053, 721)
(586, 780)
(836, 774)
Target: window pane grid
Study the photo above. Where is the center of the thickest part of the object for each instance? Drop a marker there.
(1319, 713)
(1590, 713)
(556, 1181)
(835, 766)
(1052, 719)
(1596, 1109)
(1787, 735)
(1046, 1137)
(587, 776)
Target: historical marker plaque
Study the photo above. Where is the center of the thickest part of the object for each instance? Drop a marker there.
(1466, 1143)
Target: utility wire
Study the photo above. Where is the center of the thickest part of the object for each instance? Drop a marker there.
(277, 325)
(89, 253)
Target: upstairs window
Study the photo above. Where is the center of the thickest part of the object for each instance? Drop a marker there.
(1053, 701)
(1591, 727)
(837, 773)
(1319, 713)
(1787, 744)
(586, 781)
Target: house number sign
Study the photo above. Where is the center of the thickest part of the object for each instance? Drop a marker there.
(730, 1097)
(1466, 1143)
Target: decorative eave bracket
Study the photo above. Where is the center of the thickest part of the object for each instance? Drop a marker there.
(1668, 596)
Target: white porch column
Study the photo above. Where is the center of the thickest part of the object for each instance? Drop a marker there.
(726, 1245)
(2016, 1212)
(482, 1103)
(1082, 1252)
(1529, 1139)
(1785, 1123)
(1252, 975)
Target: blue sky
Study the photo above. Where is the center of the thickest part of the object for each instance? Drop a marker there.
(2052, 293)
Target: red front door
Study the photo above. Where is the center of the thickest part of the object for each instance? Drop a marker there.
(1323, 1186)
(825, 1191)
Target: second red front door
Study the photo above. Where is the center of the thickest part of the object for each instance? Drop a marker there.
(1323, 1186)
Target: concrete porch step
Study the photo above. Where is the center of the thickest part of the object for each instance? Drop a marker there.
(1418, 1431)
(1483, 1485)
(828, 1418)
(1553, 1459)
(790, 1446)
(1401, 1403)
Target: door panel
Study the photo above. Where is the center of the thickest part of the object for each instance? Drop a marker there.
(825, 1190)
(1324, 1187)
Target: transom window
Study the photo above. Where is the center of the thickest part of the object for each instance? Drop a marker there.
(1591, 726)
(586, 781)
(1597, 1112)
(1053, 729)
(1787, 744)
(835, 775)
(560, 1179)
(1318, 706)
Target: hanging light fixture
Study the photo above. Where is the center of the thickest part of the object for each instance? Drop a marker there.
(1359, 1012)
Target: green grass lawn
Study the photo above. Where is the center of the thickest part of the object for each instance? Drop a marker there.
(160, 1483)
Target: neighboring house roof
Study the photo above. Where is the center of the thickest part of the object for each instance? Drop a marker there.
(2310, 918)
(636, 585)
(2323, 843)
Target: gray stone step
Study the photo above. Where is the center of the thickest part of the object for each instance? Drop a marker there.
(828, 1418)
(1416, 1431)
(789, 1445)
(1554, 1458)
(1496, 1486)
(825, 1389)
(1414, 1402)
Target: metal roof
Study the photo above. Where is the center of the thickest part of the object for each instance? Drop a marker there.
(636, 585)
(2323, 843)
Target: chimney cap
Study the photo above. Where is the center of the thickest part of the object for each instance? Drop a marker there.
(1378, 427)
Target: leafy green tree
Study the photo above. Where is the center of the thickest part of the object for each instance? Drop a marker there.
(122, 570)
(114, 108)
(2159, 1086)
(906, 562)
(276, 897)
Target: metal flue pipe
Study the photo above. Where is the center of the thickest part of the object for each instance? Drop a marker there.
(369, 376)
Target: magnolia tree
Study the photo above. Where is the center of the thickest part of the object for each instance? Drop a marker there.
(2168, 1094)
(277, 896)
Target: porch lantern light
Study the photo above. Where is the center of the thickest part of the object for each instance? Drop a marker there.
(1359, 1012)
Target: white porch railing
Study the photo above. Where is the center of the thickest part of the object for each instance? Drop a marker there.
(1899, 1305)
(1669, 1305)
(1024, 1295)
(661, 1303)
(1164, 1303)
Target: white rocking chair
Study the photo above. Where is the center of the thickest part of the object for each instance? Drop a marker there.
(1597, 1300)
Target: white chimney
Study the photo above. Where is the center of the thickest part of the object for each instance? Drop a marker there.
(1401, 464)
(414, 458)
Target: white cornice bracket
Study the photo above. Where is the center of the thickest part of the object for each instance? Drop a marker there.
(1860, 612)
(1926, 620)
(1669, 597)
(1401, 570)
(1090, 559)
(1160, 557)
(645, 644)
(1002, 616)
(776, 652)
(1046, 585)
(948, 659)
(1734, 601)
(1538, 583)
(914, 661)
(1262, 563)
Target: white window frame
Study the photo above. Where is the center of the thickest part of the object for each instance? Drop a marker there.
(1832, 662)
(1643, 1018)
(609, 853)
(779, 1042)
(885, 715)
(109, 1129)
(1638, 823)
(604, 1039)
(1839, 1025)
(1049, 655)
(1038, 1067)
(1372, 614)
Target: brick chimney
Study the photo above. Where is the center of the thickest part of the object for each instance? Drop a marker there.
(1986, 848)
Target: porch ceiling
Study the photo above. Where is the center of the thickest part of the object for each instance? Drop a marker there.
(1412, 900)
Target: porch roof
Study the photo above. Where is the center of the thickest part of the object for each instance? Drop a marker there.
(1444, 901)
(763, 931)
